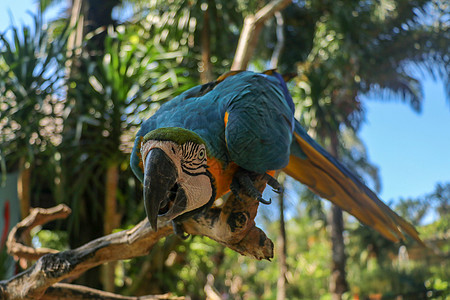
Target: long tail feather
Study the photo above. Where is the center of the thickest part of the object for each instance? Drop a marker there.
(323, 174)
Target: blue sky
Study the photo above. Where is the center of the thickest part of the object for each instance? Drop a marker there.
(412, 150)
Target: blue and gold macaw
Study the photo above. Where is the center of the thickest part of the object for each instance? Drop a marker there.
(219, 136)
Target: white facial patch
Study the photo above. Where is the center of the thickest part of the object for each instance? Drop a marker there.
(198, 190)
(190, 160)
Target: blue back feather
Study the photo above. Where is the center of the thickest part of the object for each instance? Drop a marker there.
(259, 126)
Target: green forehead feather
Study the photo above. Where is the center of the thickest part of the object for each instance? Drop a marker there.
(174, 134)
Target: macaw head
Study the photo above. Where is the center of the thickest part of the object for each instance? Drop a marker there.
(177, 183)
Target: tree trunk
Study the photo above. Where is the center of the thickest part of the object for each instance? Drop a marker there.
(111, 221)
(282, 252)
(23, 187)
(24, 195)
(338, 282)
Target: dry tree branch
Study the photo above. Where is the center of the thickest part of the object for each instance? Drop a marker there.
(231, 225)
(280, 41)
(64, 291)
(37, 216)
(54, 267)
(251, 30)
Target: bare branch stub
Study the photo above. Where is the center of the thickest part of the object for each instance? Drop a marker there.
(233, 226)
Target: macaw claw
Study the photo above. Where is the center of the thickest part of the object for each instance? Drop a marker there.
(272, 182)
(264, 201)
(244, 179)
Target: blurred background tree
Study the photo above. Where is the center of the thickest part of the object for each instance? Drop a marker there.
(74, 90)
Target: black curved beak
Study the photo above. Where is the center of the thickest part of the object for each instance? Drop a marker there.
(160, 182)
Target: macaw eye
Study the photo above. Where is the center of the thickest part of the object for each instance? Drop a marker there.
(201, 154)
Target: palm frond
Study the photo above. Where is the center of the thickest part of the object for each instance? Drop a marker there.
(391, 85)
(31, 75)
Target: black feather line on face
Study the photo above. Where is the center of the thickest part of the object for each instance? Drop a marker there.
(190, 157)
(187, 171)
(189, 149)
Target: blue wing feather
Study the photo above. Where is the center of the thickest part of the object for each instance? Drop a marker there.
(257, 136)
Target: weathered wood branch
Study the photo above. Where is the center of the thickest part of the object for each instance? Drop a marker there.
(231, 225)
(54, 267)
(19, 234)
(251, 30)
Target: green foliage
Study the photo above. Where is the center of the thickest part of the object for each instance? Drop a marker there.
(31, 78)
(390, 281)
(378, 266)
(390, 275)
(6, 263)
(437, 202)
(53, 239)
(309, 258)
(353, 153)
(193, 24)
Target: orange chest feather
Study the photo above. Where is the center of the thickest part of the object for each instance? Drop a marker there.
(222, 177)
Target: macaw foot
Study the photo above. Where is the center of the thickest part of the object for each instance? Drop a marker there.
(244, 179)
(178, 229)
